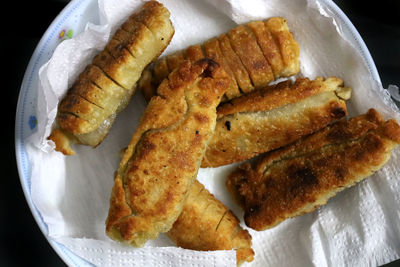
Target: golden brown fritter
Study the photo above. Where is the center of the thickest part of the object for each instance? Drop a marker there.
(268, 45)
(104, 88)
(161, 162)
(212, 50)
(253, 55)
(207, 224)
(274, 116)
(246, 47)
(298, 178)
(233, 61)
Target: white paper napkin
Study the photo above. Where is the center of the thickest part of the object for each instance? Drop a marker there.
(360, 226)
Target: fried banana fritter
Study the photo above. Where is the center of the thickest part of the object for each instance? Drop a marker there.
(105, 87)
(253, 55)
(161, 162)
(207, 224)
(300, 177)
(274, 116)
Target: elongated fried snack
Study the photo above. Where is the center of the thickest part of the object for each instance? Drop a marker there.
(104, 88)
(300, 177)
(163, 157)
(207, 224)
(253, 55)
(274, 116)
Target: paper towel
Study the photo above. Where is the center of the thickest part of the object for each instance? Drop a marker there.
(360, 226)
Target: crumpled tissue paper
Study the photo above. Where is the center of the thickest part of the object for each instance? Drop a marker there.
(360, 226)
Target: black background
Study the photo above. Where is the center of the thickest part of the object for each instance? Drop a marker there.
(24, 22)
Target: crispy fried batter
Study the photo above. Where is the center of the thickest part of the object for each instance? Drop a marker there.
(194, 53)
(60, 138)
(207, 224)
(287, 45)
(268, 46)
(274, 116)
(174, 60)
(163, 157)
(239, 71)
(302, 176)
(253, 55)
(246, 47)
(213, 51)
(104, 88)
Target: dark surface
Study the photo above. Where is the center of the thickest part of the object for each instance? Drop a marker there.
(379, 25)
(21, 241)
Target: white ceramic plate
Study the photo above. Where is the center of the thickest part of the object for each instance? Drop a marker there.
(68, 23)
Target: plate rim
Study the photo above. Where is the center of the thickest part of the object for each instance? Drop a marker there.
(357, 39)
(69, 257)
(19, 142)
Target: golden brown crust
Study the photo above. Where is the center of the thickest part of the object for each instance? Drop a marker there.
(71, 123)
(213, 51)
(337, 132)
(245, 45)
(206, 224)
(163, 157)
(156, 18)
(194, 53)
(269, 118)
(104, 88)
(391, 130)
(253, 55)
(268, 46)
(235, 64)
(278, 95)
(95, 75)
(116, 65)
(132, 42)
(83, 109)
(86, 89)
(174, 60)
(300, 177)
(288, 46)
(62, 142)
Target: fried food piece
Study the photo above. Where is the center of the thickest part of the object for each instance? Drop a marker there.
(174, 60)
(239, 71)
(161, 162)
(246, 47)
(300, 177)
(207, 224)
(287, 45)
(105, 87)
(194, 53)
(268, 45)
(274, 116)
(253, 55)
(213, 51)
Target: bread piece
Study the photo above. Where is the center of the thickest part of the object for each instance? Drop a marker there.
(105, 87)
(253, 55)
(207, 224)
(163, 157)
(274, 116)
(300, 177)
